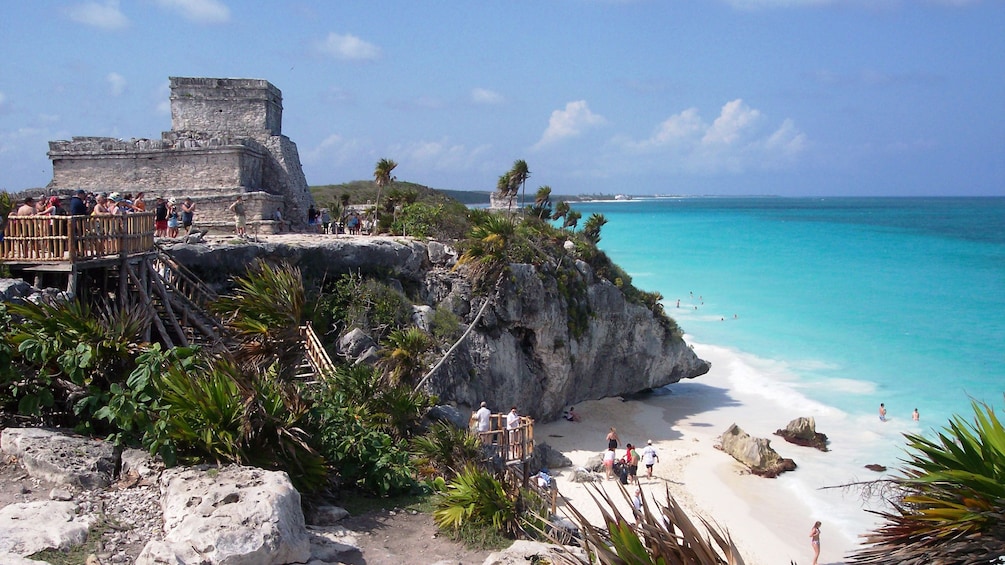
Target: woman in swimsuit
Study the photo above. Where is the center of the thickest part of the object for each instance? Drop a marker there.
(612, 439)
(815, 541)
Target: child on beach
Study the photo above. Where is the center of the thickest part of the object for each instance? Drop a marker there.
(882, 412)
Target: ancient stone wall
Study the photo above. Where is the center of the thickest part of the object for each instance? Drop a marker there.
(237, 106)
(226, 141)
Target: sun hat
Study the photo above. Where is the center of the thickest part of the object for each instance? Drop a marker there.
(650, 442)
(115, 197)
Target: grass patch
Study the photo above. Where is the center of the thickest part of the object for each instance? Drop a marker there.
(357, 503)
(77, 554)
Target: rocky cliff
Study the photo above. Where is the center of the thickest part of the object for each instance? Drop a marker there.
(524, 351)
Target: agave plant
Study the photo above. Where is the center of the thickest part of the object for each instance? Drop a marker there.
(953, 506)
(660, 535)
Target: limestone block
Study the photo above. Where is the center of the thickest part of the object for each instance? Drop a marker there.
(59, 458)
(229, 515)
(30, 527)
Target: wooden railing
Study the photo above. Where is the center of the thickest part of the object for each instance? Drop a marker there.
(42, 239)
(317, 357)
(511, 445)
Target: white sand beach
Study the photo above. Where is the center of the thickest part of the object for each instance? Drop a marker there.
(768, 519)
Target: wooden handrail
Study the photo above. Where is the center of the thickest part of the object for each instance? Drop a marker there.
(46, 239)
(511, 445)
(317, 356)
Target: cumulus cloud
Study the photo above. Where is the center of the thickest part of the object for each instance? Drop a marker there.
(738, 139)
(570, 122)
(486, 97)
(347, 47)
(199, 11)
(116, 83)
(103, 15)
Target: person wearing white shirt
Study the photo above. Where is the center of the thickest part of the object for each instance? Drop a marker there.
(483, 417)
(649, 458)
(513, 425)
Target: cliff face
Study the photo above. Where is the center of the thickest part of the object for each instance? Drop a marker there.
(524, 351)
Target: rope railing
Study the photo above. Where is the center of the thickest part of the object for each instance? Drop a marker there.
(41, 239)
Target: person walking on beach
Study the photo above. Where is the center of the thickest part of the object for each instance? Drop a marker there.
(632, 461)
(612, 439)
(815, 541)
(915, 416)
(649, 458)
(882, 412)
(609, 462)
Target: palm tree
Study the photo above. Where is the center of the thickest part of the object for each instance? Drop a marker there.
(382, 176)
(572, 219)
(403, 360)
(542, 202)
(561, 210)
(953, 504)
(503, 186)
(518, 177)
(591, 230)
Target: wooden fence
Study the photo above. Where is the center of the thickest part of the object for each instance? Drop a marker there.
(43, 239)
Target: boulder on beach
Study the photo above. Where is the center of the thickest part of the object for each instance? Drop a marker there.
(803, 431)
(755, 453)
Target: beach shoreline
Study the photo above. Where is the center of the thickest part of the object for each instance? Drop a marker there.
(768, 519)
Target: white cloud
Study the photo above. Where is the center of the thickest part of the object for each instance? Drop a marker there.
(199, 11)
(486, 97)
(569, 122)
(3, 102)
(104, 15)
(735, 120)
(440, 155)
(737, 140)
(162, 98)
(117, 83)
(333, 150)
(347, 47)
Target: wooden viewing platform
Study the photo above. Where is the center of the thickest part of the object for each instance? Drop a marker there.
(511, 446)
(70, 239)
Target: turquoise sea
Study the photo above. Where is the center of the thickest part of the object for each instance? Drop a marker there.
(863, 300)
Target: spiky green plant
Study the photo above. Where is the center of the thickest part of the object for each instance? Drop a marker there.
(656, 535)
(953, 504)
(403, 357)
(476, 498)
(446, 449)
(265, 312)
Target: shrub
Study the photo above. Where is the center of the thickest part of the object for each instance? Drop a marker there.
(446, 449)
(476, 499)
(355, 301)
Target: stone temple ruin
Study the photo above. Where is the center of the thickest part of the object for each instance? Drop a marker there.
(226, 140)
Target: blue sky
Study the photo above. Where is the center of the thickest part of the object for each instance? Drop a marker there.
(786, 97)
